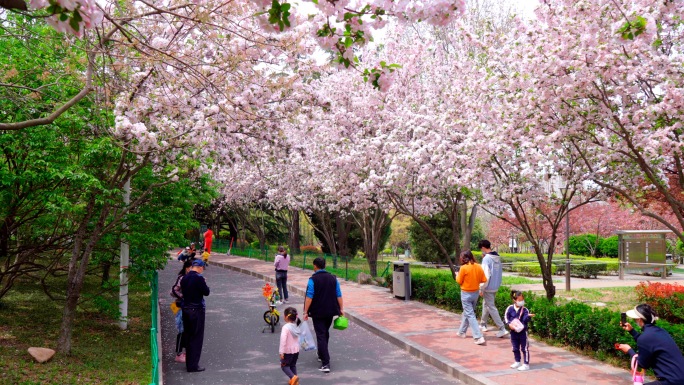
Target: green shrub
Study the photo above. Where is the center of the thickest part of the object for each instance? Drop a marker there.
(584, 270)
(255, 245)
(584, 244)
(530, 269)
(224, 234)
(609, 247)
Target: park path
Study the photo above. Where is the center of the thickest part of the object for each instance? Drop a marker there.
(237, 352)
(430, 334)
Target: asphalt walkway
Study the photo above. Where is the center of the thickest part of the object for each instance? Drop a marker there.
(237, 352)
(430, 334)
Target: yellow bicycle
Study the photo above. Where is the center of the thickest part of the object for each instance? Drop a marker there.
(272, 315)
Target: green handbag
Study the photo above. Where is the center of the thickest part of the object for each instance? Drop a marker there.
(341, 323)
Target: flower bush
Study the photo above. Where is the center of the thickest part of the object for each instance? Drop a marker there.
(667, 299)
(310, 249)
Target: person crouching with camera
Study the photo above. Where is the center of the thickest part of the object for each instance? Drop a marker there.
(657, 349)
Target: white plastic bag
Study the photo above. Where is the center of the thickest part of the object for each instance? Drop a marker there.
(306, 339)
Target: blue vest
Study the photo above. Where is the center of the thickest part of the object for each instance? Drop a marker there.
(324, 302)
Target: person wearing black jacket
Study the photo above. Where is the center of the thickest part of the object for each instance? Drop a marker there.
(323, 301)
(194, 288)
(657, 349)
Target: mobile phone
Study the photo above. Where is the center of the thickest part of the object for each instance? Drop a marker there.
(623, 318)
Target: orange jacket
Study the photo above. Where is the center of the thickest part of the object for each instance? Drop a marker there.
(470, 277)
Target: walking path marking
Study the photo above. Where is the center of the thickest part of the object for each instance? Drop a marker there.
(430, 334)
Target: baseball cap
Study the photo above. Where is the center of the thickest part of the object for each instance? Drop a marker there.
(198, 262)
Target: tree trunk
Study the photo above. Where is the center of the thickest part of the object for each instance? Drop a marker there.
(293, 244)
(325, 228)
(372, 222)
(454, 215)
(74, 284)
(343, 226)
(468, 235)
(106, 267)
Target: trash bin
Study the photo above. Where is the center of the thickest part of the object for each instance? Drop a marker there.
(401, 280)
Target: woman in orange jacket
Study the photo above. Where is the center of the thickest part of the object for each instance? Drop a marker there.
(469, 277)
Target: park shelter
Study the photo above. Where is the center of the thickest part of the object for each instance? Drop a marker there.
(642, 252)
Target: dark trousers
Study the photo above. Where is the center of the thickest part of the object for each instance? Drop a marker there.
(289, 364)
(193, 333)
(519, 342)
(322, 328)
(281, 282)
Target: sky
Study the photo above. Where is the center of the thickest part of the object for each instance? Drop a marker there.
(527, 6)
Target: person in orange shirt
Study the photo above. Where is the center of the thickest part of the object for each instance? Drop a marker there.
(469, 277)
(208, 238)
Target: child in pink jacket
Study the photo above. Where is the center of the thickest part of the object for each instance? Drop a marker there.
(289, 345)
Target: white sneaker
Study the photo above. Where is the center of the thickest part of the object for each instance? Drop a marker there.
(524, 367)
(483, 328)
(502, 333)
(462, 335)
(515, 365)
(480, 341)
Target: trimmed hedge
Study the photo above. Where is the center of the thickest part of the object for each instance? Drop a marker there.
(531, 269)
(574, 323)
(589, 269)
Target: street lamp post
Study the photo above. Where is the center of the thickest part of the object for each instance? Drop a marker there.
(565, 191)
(567, 249)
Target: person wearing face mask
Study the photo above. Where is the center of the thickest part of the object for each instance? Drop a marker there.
(657, 349)
(521, 315)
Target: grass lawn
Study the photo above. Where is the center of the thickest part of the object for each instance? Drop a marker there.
(615, 298)
(101, 352)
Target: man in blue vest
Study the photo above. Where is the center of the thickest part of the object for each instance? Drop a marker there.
(323, 302)
(194, 288)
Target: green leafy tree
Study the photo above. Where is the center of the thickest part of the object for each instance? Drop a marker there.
(423, 248)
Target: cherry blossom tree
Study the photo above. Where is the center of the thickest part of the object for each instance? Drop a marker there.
(615, 79)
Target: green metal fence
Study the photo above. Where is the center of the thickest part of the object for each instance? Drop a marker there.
(154, 347)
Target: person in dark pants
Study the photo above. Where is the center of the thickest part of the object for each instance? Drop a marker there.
(657, 349)
(194, 288)
(323, 301)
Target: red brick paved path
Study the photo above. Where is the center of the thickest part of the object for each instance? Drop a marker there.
(430, 334)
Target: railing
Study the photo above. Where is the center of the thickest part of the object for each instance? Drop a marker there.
(154, 347)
